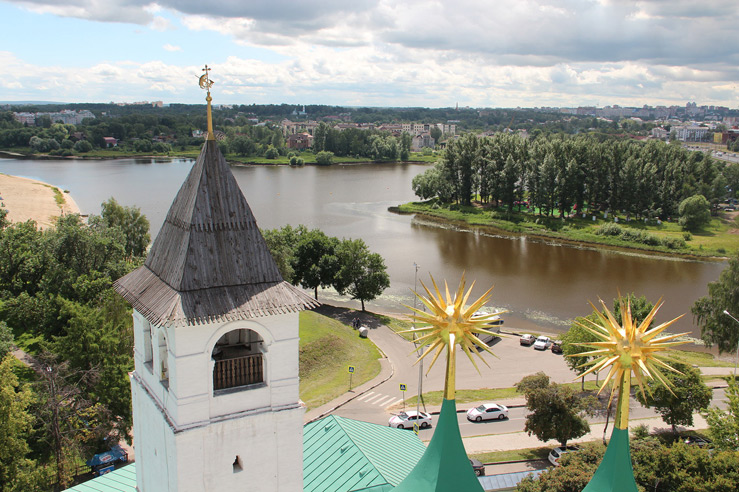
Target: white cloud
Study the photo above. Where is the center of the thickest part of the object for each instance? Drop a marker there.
(430, 52)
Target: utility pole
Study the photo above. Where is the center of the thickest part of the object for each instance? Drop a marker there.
(420, 362)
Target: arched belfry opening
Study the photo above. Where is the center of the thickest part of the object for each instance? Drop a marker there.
(238, 360)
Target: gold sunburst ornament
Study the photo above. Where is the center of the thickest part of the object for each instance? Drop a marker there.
(628, 348)
(449, 322)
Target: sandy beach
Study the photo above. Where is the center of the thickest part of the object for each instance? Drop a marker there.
(28, 199)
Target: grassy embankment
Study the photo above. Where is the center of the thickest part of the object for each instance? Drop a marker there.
(718, 239)
(192, 152)
(327, 348)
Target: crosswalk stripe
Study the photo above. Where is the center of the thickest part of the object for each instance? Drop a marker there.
(393, 402)
(369, 400)
(365, 395)
(379, 402)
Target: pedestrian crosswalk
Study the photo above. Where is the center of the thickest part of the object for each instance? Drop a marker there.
(379, 399)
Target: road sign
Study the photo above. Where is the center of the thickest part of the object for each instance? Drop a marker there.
(402, 387)
(351, 369)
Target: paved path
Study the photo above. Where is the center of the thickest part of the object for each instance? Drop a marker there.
(371, 401)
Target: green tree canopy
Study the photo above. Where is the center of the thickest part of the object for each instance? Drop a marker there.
(361, 273)
(554, 410)
(315, 263)
(688, 394)
(132, 223)
(724, 424)
(695, 212)
(718, 328)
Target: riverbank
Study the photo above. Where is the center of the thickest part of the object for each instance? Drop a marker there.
(715, 242)
(30, 199)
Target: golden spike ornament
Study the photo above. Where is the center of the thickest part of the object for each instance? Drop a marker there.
(205, 83)
(449, 321)
(625, 348)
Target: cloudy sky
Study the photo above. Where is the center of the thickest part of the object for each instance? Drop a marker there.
(432, 53)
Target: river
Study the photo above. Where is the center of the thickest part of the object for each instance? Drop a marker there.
(542, 284)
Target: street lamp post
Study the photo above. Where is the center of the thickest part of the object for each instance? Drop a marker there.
(420, 362)
(727, 313)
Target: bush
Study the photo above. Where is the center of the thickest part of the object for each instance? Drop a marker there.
(271, 153)
(82, 146)
(296, 161)
(687, 236)
(609, 229)
(324, 158)
(673, 242)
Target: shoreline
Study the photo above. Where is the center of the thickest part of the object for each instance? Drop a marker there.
(30, 199)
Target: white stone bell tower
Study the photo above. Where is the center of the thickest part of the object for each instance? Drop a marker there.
(215, 386)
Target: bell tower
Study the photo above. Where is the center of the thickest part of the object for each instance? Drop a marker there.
(215, 386)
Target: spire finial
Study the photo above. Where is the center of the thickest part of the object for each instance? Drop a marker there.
(206, 83)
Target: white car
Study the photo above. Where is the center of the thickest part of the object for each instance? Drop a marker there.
(405, 420)
(542, 343)
(487, 411)
(556, 453)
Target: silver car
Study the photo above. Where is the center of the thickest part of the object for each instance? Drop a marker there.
(487, 411)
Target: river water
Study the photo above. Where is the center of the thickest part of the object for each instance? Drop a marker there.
(542, 284)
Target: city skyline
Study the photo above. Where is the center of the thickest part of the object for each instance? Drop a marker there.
(533, 53)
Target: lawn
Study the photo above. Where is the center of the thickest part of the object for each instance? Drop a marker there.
(715, 239)
(327, 348)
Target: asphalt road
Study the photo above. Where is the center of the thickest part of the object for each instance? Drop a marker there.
(513, 362)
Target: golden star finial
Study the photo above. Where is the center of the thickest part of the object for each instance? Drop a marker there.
(450, 322)
(628, 348)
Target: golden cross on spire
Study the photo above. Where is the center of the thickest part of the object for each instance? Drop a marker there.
(206, 83)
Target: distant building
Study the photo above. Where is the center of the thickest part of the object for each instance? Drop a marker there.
(690, 133)
(110, 142)
(421, 141)
(299, 141)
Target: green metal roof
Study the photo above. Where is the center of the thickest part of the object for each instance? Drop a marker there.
(344, 455)
(120, 480)
(444, 466)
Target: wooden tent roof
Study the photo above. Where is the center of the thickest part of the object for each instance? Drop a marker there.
(209, 261)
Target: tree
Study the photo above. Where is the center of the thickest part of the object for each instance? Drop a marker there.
(16, 469)
(361, 274)
(687, 394)
(315, 262)
(724, 425)
(723, 295)
(554, 410)
(133, 224)
(282, 244)
(435, 133)
(695, 212)
(570, 340)
(82, 146)
(324, 158)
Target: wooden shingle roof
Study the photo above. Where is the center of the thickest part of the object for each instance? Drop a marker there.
(209, 260)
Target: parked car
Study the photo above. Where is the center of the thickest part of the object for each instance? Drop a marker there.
(556, 453)
(478, 467)
(557, 347)
(106, 462)
(405, 420)
(542, 343)
(487, 411)
(527, 339)
(701, 442)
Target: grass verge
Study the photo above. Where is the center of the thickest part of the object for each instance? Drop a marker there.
(714, 240)
(513, 455)
(327, 348)
(485, 394)
(700, 359)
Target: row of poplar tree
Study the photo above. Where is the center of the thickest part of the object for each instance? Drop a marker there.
(561, 174)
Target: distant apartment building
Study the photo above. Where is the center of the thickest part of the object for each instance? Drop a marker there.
(66, 116)
(421, 128)
(660, 133)
(299, 141)
(293, 127)
(421, 141)
(690, 133)
(25, 118)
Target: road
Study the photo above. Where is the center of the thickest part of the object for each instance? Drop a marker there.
(514, 361)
